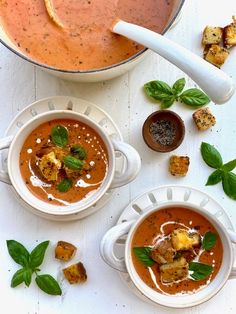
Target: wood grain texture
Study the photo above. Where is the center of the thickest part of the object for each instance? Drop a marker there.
(124, 100)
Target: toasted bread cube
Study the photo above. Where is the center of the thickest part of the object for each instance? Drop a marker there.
(212, 35)
(49, 166)
(174, 271)
(216, 55)
(179, 165)
(163, 252)
(75, 273)
(204, 119)
(182, 240)
(229, 34)
(64, 250)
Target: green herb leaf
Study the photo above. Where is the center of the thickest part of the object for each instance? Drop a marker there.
(18, 252)
(229, 166)
(73, 163)
(64, 185)
(143, 254)
(200, 271)
(79, 152)
(167, 102)
(178, 86)
(27, 276)
(48, 284)
(18, 278)
(158, 90)
(194, 97)
(211, 156)
(229, 184)
(215, 177)
(37, 255)
(209, 240)
(59, 136)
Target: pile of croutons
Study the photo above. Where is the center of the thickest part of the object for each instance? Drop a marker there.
(217, 41)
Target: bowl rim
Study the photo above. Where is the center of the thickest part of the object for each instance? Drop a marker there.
(98, 70)
(139, 283)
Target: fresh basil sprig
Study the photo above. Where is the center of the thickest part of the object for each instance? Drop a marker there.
(209, 240)
(223, 172)
(59, 136)
(199, 271)
(64, 185)
(143, 255)
(31, 262)
(166, 95)
(79, 152)
(73, 163)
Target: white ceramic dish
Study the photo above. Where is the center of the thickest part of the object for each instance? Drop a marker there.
(112, 180)
(97, 74)
(142, 207)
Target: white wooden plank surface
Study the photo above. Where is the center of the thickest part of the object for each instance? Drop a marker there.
(124, 100)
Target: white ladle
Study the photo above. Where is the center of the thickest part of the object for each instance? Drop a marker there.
(213, 81)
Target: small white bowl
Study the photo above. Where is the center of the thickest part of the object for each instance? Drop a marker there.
(173, 301)
(112, 180)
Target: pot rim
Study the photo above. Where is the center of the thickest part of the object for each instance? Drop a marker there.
(94, 71)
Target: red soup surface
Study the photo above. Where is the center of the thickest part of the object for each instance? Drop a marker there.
(164, 225)
(85, 41)
(63, 161)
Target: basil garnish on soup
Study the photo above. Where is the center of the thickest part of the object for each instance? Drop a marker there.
(64, 185)
(78, 152)
(59, 136)
(209, 240)
(199, 271)
(143, 255)
(73, 163)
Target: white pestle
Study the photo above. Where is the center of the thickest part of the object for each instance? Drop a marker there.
(213, 81)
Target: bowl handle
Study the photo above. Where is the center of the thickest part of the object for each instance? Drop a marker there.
(5, 143)
(133, 164)
(232, 236)
(108, 243)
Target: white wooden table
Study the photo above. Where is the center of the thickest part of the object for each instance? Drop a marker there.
(124, 100)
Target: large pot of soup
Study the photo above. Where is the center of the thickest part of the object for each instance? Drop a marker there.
(72, 39)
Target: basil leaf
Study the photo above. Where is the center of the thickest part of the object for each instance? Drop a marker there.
(18, 252)
(209, 240)
(73, 163)
(211, 156)
(229, 184)
(48, 284)
(200, 271)
(194, 97)
(59, 136)
(37, 255)
(167, 102)
(79, 152)
(178, 86)
(18, 278)
(143, 254)
(158, 90)
(215, 177)
(64, 185)
(27, 275)
(229, 166)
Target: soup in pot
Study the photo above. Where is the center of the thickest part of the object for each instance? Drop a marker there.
(63, 161)
(81, 39)
(176, 251)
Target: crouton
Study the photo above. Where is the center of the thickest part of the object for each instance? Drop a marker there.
(175, 271)
(204, 119)
(179, 165)
(75, 273)
(49, 166)
(212, 35)
(163, 252)
(182, 240)
(229, 34)
(216, 55)
(64, 250)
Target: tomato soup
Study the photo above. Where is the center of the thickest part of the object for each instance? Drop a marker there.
(176, 251)
(63, 161)
(85, 41)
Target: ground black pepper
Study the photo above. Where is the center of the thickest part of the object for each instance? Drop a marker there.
(163, 132)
